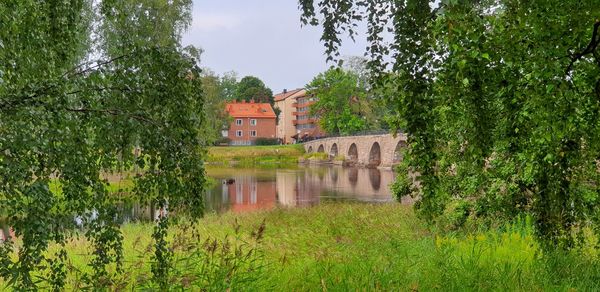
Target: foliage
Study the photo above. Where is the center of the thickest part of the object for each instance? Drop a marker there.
(215, 96)
(319, 156)
(500, 100)
(252, 88)
(266, 141)
(346, 246)
(212, 264)
(228, 84)
(264, 156)
(66, 116)
(341, 102)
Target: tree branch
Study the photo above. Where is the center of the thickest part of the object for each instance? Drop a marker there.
(113, 112)
(97, 65)
(590, 49)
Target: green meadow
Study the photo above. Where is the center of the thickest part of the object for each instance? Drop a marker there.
(341, 247)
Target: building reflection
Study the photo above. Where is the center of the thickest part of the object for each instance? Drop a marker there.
(247, 193)
(247, 190)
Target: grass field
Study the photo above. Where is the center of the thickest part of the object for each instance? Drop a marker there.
(255, 155)
(341, 247)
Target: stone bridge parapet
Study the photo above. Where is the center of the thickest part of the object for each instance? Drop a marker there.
(382, 150)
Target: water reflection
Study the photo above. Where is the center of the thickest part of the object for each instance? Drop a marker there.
(252, 189)
(243, 190)
(375, 178)
(353, 176)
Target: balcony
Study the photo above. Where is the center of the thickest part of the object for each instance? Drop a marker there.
(303, 122)
(305, 104)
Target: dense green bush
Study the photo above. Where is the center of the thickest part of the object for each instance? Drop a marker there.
(223, 141)
(266, 141)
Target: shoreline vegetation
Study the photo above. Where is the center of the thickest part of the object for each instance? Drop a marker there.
(343, 247)
(255, 156)
(288, 156)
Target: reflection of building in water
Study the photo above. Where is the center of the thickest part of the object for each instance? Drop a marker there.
(308, 185)
(293, 189)
(249, 193)
(360, 184)
(259, 189)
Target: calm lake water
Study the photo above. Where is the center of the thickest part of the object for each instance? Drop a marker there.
(242, 190)
(246, 190)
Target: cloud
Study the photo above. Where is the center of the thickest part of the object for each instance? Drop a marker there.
(214, 22)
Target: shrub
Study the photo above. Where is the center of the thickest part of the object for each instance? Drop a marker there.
(223, 141)
(340, 158)
(316, 156)
(266, 141)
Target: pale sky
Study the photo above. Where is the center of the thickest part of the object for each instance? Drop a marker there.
(262, 38)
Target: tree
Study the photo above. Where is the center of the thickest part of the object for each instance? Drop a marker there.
(75, 105)
(375, 108)
(215, 96)
(252, 88)
(340, 101)
(500, 100)
(228, 84)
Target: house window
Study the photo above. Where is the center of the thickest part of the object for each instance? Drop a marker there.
(238, 122)
(252, 133)
(238, 133)
(253, 122)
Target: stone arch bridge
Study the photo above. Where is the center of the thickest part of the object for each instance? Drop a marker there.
(369, 150)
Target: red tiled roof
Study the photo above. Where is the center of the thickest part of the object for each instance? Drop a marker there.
(250, 110)
(282, 96)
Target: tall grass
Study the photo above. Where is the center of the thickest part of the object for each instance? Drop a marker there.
(349, 246)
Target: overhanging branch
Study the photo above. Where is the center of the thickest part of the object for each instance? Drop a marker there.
(590, 49)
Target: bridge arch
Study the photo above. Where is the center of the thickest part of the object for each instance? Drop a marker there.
(321, 149)
(399, 152)
(375, 155)
(377, 150)
(353, 153)
(333, 152)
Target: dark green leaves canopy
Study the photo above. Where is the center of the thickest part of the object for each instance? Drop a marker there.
(88, 88)
(500, 99)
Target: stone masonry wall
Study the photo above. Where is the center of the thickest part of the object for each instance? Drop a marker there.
(365, 146)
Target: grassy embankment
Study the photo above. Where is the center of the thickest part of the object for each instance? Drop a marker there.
(348, 247)
(250, 156)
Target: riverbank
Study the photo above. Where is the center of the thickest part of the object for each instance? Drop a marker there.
(263, 156)
(345, 247)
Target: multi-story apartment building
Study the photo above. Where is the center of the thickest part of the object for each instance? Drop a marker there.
(285, 126)
(250, 121)
(295, 122)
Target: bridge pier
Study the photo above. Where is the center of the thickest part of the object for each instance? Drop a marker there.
(370, 150)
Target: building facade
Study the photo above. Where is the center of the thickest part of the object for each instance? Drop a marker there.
(295, 122)
(307, 125)
(284, 102)
(250, 121)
